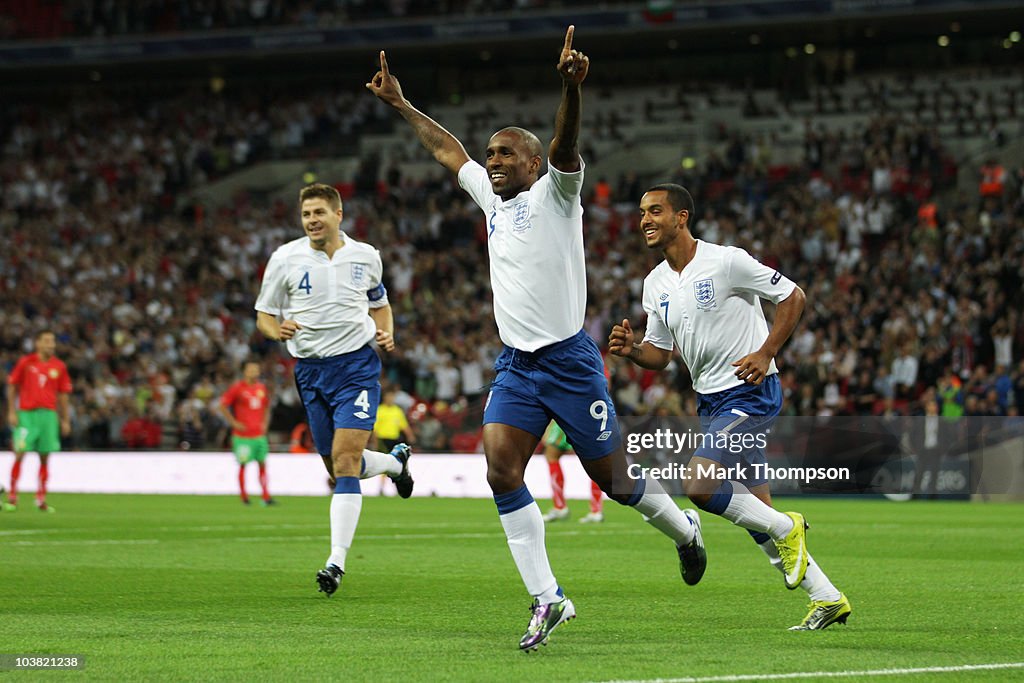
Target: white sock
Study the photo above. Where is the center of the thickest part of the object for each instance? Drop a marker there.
(748, 511)
(345, 508)
(375, 463)
(661, 512)
(815, 582)
(524, 529)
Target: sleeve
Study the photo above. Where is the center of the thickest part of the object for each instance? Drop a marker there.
(378, 295)
(272, 298)
(473, 179)
(17, 373)
(562, 190)
(403, 423)
(747, 274)
(64, 382)
(228, 399)
(658, 333)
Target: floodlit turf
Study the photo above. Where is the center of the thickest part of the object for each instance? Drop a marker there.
(202, 588)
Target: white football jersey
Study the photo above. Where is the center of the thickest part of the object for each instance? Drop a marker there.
(535, 243)
(329, 298)
(712, 311)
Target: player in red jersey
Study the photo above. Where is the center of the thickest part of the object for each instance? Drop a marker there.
(246, 407)
(38, 390)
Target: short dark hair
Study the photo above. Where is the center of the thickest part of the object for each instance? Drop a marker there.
(678, 198)
(321, 191)
(45, 330)
(531, 141)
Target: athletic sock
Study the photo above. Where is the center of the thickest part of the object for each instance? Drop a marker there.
(346, 504)
(263, 481)
(596, 498)
(736, 503)
(661, 512)
(557, 485)
(524, 528)
(44, 476)
(12, 495)
(816, 583)
(375, 463)
(241, 484)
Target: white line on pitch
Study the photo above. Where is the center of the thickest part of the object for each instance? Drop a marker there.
(832, 674)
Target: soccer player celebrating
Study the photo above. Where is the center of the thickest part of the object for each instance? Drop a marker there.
(246, 407)
(549, 368)
(555, 446)
(38, 390)
(705, 300)
(322, 295)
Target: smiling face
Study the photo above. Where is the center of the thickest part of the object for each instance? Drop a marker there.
(660, 222)
(321, 223)
(513, 161)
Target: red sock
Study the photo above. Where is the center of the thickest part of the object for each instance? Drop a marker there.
(263, 481)
(44, 474)
(596, 498)
(12, 496)
(241, 483)
(557, 485)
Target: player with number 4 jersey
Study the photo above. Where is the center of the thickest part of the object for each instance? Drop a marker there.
(323, 295)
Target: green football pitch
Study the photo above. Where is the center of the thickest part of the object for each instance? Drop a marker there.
(202, 588)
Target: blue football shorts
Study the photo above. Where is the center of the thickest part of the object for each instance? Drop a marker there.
(736, 423)
(340, 392)
(564, 382)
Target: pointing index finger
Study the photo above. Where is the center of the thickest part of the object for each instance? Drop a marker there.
(383, 63)
(568, 38)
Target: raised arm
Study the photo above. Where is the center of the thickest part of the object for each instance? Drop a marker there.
(573, 66)
(445, 147)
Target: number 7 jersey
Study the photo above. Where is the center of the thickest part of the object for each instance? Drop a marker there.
(712, 311)
(330, 298)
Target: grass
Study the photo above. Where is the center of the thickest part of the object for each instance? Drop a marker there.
(202, 588)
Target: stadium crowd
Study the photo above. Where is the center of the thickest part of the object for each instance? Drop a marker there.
(914, 283)
(96, 18)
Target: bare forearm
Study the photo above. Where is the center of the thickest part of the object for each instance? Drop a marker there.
(384, 319)
(444, 146)
(649, 356)
(268, 326)
(63, 407)
(787, 315)
(12, 399)
(564, 151)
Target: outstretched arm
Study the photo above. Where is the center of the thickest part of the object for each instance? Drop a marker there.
(445, 147)
(573, 66)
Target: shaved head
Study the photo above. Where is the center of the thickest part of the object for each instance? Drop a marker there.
(531, 141)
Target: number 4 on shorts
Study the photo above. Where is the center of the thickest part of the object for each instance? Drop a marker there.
(363, 403)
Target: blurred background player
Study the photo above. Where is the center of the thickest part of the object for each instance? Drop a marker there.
(246, 407)
(391, 425)
(555, 446)
(323, 296)
(38, 411)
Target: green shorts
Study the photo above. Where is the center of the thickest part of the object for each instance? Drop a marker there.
(250, 449)
(38, 430)
(556, 437)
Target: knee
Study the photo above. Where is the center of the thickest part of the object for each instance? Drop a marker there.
(700, 491)
(504, 477)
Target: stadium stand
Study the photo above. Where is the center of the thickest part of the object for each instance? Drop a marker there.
(137, 228)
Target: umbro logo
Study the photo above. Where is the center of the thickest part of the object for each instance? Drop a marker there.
(361, 415)
(604, 435)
